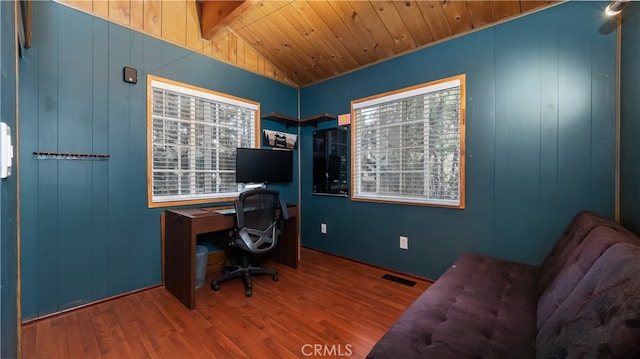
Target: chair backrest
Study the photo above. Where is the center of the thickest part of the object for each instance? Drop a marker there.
(257, 224)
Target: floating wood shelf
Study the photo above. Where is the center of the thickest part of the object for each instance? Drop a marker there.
(69, 156)
(314, 120)
(292, 121)
(286, 120)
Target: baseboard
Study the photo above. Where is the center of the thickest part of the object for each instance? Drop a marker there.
(417, 277)
(90, 304)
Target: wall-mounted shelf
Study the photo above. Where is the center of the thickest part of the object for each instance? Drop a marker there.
(69, 156)
(286, 120)
(314, 120)
(292, 121)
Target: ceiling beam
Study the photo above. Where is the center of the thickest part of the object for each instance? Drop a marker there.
(216, 14)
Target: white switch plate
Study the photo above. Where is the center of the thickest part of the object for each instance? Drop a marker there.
(404, 242)
(323, 228)
(6, 150)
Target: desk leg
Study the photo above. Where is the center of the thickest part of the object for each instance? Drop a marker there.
(179, 253)
(286, 252)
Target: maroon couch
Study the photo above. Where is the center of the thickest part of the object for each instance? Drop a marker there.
(583, 301)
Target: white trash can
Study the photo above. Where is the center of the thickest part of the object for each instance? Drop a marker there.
(202, 252)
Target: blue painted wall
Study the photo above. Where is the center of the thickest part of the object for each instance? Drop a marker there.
(630, 119)
(8, 189)
(539, 144)
(87, 233)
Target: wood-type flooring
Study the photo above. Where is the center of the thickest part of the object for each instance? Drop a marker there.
(328, 307)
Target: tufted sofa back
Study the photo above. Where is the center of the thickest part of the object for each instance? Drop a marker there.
(577, 262)
(600, 317)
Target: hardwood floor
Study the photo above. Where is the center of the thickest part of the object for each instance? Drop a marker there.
(328, 307)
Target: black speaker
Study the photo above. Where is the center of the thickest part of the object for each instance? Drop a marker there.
(130, 75)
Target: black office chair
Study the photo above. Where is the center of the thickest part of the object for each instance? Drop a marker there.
(258, 225)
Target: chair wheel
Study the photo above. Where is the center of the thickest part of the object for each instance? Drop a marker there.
(215, 286)
(275, 277)
(248, 293)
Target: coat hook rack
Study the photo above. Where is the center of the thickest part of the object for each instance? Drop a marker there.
(69, 156)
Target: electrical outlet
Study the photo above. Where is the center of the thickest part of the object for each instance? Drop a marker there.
(323, 228)
(404, 242)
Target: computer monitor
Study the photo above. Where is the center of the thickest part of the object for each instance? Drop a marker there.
(263, 166)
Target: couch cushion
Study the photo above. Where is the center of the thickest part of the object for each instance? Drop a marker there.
(480, 307)
(601, 316)
(596, 242)
(563, 249)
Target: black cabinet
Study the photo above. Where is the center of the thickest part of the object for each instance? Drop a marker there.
(330, 161)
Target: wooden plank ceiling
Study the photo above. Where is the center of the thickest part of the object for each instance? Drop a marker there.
(310, 41)
(302, 42)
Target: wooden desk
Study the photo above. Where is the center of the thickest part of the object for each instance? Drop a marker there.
(182, 227)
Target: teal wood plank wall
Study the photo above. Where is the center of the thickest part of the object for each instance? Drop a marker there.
(87, 233)
(630, 119)
(8, 189)
(539, 145)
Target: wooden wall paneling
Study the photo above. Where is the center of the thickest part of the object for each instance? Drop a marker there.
(119, 12)
(506, 9)
(394, 24)
(101, 8)
(434, 15)
(174, 25)
(119, 249)
(576, 133)
(47, 292)
(75, 282)
(413, 18)
(137, 15)
(143, 244)
(481, 13)
(341, 32)
(550, 218)
(233, 43)
(83, 5)
(181, 28)
(100, 144)
(74, 186)
(193, 27)
(250, 58)
(334, 50)
(369, 17)
(261, 64)
(526, 5)
(356, 25)
(219, 47)
(458, 16)
(523, 155)
(152, 22)
(28, 110)
(630, 110)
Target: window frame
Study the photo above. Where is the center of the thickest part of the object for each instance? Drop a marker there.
(203, 93)
(397, 95)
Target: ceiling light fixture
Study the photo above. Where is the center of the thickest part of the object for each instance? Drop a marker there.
(615, 7)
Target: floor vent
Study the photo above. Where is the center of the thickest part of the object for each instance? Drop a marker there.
(393, 278)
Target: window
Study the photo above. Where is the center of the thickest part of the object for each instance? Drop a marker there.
(193, 134)
(408, 145)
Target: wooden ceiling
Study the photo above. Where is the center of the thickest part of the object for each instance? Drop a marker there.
(309, 41)
(300, 42)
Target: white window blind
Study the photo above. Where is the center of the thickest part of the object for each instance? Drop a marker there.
(409, 145)
(193, 139)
